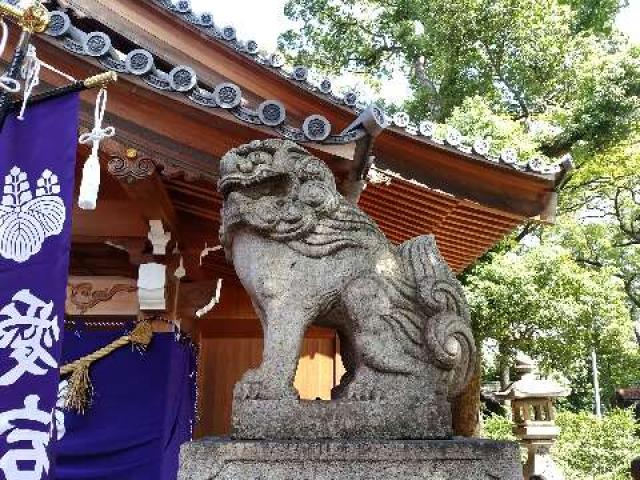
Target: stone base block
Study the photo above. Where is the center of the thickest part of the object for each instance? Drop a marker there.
(457, 459)
(320, 420)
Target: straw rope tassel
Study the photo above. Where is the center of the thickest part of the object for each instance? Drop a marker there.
(80, 389)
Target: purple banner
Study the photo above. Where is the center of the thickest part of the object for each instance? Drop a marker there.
(141, 412)
(37, 165)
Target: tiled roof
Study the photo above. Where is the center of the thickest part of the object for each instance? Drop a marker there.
(182, 79)
(304, 77)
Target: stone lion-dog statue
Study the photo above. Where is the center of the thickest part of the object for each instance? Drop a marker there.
(308, 256)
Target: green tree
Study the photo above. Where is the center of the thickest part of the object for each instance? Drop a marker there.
(595, 15)
(588, 448)
(543, 302)
(593, 449)
(601, 217)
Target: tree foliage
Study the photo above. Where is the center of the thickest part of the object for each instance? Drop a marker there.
(588, 448)
(595, 15)
(539, 60)
(593, 449)
(543, 302)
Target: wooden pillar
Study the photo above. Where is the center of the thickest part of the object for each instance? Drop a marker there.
(466, 407)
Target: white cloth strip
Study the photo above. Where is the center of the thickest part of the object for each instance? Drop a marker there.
(214, 301)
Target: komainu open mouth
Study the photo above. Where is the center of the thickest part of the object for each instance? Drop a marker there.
(256, 186)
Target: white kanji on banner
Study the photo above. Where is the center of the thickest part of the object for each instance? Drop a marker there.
(26, 221)
(26, 426)
(29, 331)
(58, 412)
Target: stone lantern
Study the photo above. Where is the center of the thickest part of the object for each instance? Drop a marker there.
(533, 413)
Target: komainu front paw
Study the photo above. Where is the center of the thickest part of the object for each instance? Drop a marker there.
(365, 386)
(255, 385)
(363, 392)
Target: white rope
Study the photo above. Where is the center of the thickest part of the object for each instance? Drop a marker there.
(98, 133)
(7, 84)
(31, 75)
(91, 172)
(59, 72)
(5, 36)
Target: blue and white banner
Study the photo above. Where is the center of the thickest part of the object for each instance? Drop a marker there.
(37, 166)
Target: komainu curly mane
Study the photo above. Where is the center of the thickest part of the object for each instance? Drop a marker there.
(308, 256)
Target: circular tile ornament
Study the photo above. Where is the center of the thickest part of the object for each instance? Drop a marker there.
(59, 24)
(182, 78)
(139, 62)
(97, 44)
(228, 95)
(316, 128)
(272, 113)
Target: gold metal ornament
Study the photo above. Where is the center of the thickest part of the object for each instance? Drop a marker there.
(33, 19)
(101, 80)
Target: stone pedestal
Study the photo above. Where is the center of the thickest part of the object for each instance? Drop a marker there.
(341, 419)
(540, 463)
(457, 459)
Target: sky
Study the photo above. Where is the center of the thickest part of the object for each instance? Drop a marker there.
(260, 20)
(629, 20)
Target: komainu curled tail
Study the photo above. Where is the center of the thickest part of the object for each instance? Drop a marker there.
(447, 332)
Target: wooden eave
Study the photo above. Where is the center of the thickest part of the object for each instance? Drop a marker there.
(173, 129)
(470, 176)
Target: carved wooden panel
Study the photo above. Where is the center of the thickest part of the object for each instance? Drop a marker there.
(101, 296)
(130, 169)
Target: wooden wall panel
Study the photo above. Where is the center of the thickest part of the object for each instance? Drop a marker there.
(223, 360)
(315, 375)
(222, 363)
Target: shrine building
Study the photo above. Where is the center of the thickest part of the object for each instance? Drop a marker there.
(188, 91)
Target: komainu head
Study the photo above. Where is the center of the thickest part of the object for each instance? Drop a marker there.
(280, 190)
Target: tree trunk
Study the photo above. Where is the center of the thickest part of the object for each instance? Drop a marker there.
(504, 366)
(465, 409)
